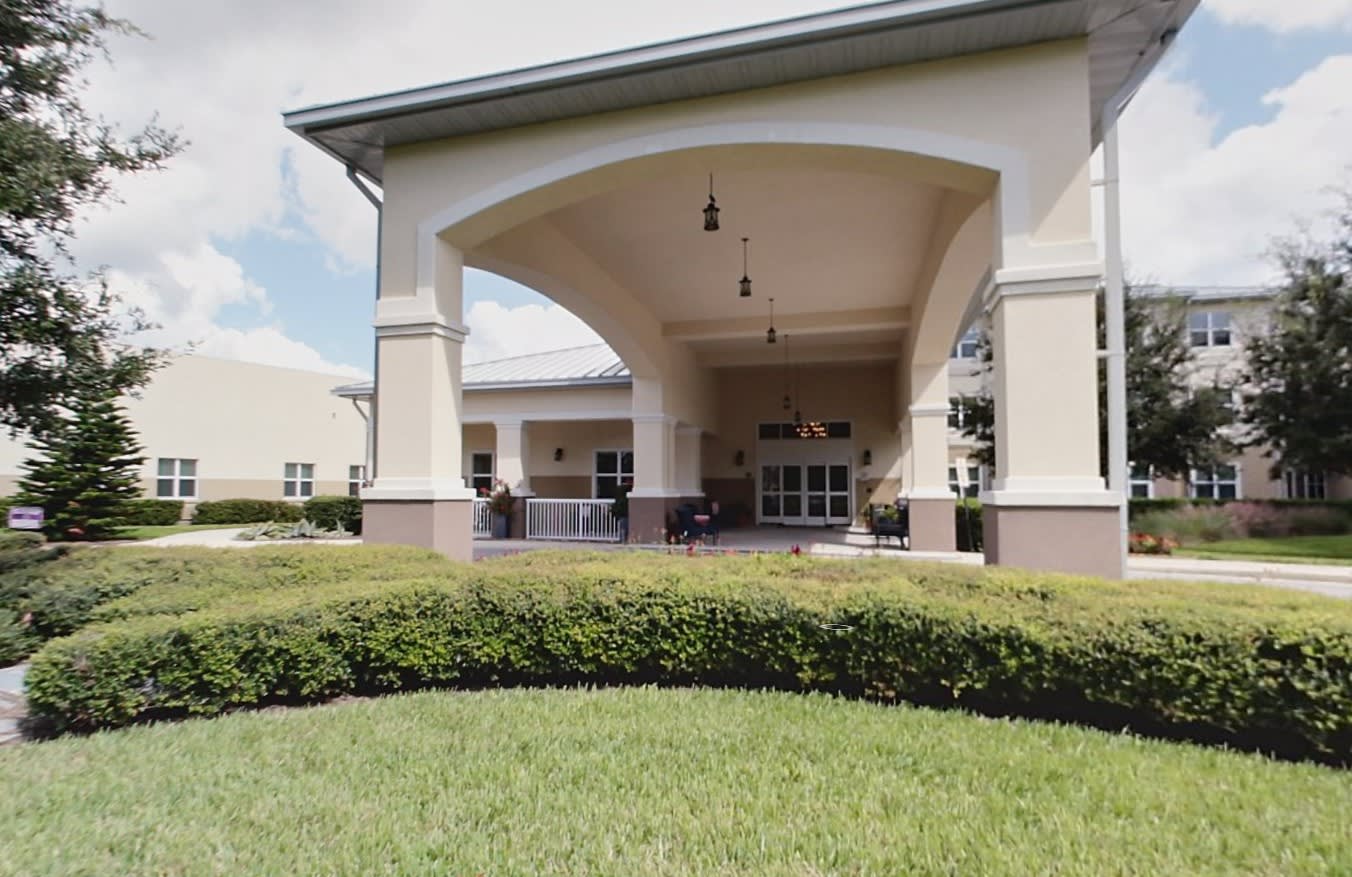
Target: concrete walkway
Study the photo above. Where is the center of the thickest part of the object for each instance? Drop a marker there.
(11, 703)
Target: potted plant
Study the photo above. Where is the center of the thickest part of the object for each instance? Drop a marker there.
(500, 504)
(620, 509)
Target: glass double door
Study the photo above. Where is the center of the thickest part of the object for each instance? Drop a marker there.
(805, 494)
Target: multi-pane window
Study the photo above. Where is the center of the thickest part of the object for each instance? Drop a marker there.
(808, 429)
(1221, 482)
(972, 488)
(1141, 481)
(481, 471)
(1304, 485)
(957, 412)
(298, 480)
(1209, 328)
(176, 479)
(968, 345)
(356, 476)
(613, 468)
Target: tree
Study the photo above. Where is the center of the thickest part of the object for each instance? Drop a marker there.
(1174, 424)
(60, 333)
(1298, 376)
(88, 467)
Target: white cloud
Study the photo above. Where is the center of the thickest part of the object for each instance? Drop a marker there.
(1284, 17)
(497, 332)
(1203, 209)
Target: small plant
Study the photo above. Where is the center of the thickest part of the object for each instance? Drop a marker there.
(1145, 543)
(272, 531)
(500, 498)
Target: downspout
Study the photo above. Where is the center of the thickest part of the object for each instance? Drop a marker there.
(1115, 293)
(369, 475)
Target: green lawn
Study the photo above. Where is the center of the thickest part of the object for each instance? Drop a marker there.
(640, 781)
(1290, 549)
(140, 534)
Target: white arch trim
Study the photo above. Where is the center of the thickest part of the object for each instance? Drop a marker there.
(1010, 164)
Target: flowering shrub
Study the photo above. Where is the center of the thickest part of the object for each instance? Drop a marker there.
(499, 498)
(1145, 543)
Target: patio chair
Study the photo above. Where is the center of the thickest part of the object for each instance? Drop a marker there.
(690, 529)
(886, 525)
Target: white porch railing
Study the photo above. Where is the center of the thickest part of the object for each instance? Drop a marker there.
(483, 518)
(583, 520)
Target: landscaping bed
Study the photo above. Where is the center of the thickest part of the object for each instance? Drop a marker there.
(643, 781)
(1244, 665)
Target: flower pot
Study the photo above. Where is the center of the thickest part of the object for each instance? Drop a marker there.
(502, 526)
(624, 529)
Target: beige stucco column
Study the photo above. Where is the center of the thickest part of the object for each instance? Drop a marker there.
(655, 492)
(1049, 507)
(689, 474)
(511, 456)
(419, 496)
(929, 500)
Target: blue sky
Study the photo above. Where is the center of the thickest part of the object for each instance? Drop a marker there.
(254, 246)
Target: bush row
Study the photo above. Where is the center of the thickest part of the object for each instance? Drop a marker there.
(84, 584)
(1241, 520)
(1145, 506)
(246, 511)
(137, 512)
(1265, 669)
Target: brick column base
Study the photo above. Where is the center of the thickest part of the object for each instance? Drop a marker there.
(1081, 540)
(442, 525)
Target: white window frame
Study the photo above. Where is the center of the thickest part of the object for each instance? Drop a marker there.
(491, 475)
(356, 479)
(1302, 485)
(1195, 479)
(1134, 481)
(619, 474)
(297, 481)
(176, 477)
(1208, 330)
(971, 339)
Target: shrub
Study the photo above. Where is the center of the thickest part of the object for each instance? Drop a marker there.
(967, 525)
(20, 549)
(246, 511)
(1258, 668)
(64, 595)
(1188, 525)
(17, 640)
(334, 513)
(1213, 522)
(153, 512)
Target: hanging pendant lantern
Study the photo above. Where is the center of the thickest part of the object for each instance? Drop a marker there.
(745, 284)
(711, 211)
(770, 332)
(788, 402)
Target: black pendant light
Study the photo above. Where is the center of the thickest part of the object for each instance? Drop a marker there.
(711, 212)
(770, 332)
(788, 403)
(745, 284)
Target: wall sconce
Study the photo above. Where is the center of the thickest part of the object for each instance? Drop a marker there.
(868, 458)
(739, 458)
(558, 455)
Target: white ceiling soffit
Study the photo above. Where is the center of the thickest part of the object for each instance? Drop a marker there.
(1124, 35)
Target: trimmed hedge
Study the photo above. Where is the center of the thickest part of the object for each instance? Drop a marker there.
(967, 525)
(153, 512)
(85, 584)
(1257, 668)
(1146, 506)
(334, 513)
(246, 511)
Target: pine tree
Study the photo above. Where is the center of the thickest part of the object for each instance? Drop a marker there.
(88, 468)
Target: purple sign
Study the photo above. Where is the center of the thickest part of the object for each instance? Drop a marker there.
(25, 517)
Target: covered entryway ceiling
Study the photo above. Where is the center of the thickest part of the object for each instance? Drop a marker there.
(838, 236)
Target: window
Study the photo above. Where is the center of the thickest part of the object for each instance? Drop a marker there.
(973, 486)
(613, 468)
(1304, 485)
(1209, 328)
(1141, 480)
(481, 472)
(808, 429)
(1219, 483)
(968, 345)
(957, 413)
(356, 477)
(298, 481)
(176, 479)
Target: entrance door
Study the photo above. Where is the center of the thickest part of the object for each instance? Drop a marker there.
(813, 494)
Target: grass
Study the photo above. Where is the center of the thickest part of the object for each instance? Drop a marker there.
(1289, 549)
(140, 534)
(643, 781)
